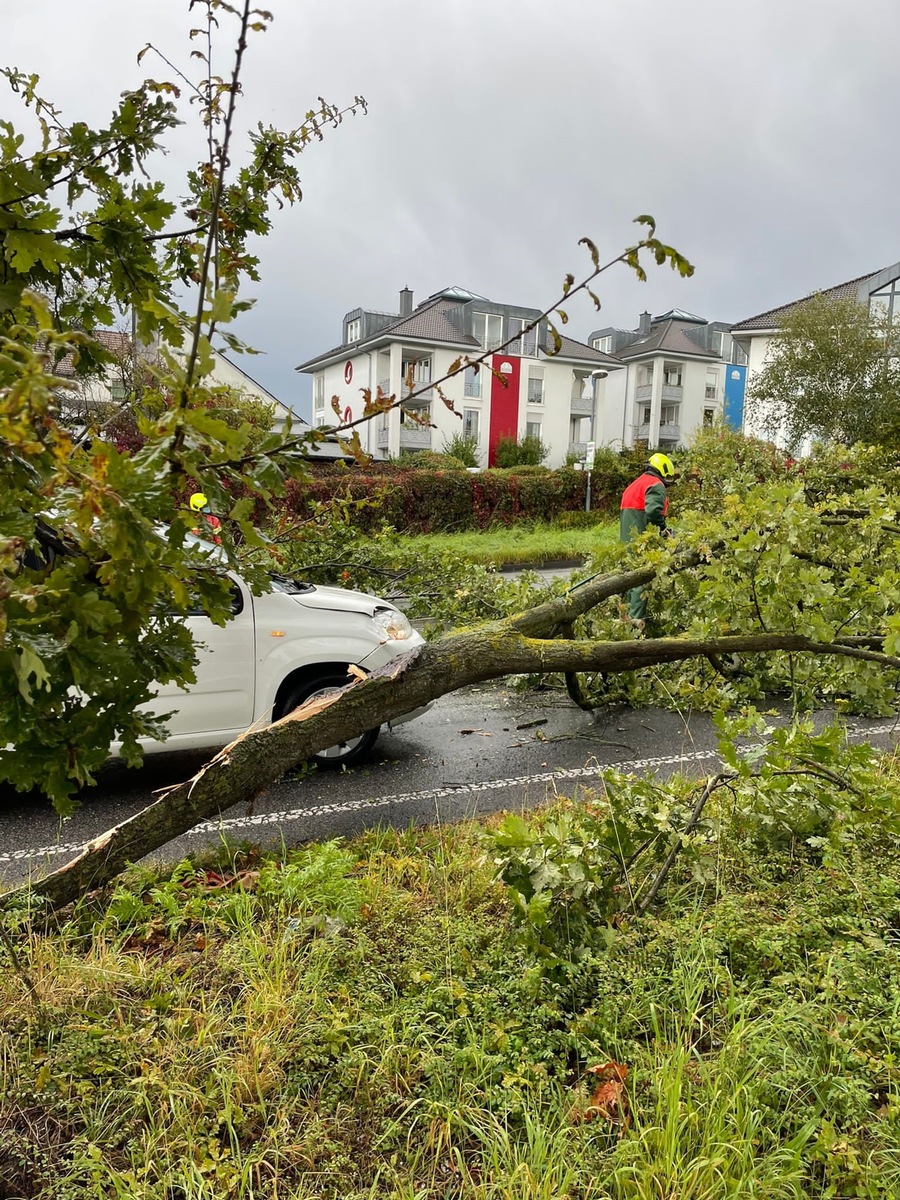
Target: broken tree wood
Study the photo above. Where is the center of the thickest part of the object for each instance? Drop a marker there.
(525, 643)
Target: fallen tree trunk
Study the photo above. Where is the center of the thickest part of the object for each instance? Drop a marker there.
(522, 644)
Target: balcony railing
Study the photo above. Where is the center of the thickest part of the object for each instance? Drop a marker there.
(582, 405)
(671, 391)
(384, 438)
(667, 433)
(579, 448)
(415, 437)
(643, 391)
(385, 385)
(423, 387)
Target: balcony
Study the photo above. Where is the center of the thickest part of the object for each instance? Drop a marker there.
(579, 448)
(671, 391)
(667, 433)
(384, 438)
(422, 386)
(415, 437)
(385, 385)
(582, 406)
(643, 391)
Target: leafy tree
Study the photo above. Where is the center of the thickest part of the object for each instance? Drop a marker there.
(97, 574)
(85, 235)
(833, 373)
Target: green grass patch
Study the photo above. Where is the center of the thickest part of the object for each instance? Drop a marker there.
(519, 545)
(364, 1020)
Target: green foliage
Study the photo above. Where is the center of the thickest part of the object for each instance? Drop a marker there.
(435, 584)
(808, 547)
(423, 460)
(832, 373)
(365, 1020)
(528, 451)
(96, 573)
(463, 449)
(574, 871)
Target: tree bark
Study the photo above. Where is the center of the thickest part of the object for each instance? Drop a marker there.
(521, 644)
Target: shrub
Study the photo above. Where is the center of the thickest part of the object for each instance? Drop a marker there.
(529, 452)
(426, 459)
(446, 501)
(464, 449)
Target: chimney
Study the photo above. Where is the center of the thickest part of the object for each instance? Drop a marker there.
(644, 327)
(406, 299)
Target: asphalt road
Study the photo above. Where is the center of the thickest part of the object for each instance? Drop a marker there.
(483, 749)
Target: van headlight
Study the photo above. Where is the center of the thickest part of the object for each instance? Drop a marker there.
(393, 624)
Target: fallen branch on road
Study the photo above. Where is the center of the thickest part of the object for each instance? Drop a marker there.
(522, 644)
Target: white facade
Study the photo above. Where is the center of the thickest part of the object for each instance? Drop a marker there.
(555, 397)
(661, 400)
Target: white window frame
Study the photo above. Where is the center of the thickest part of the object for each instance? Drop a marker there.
(533, 428)
(645, 374)
(670, 414)
(604, 344)
(524, 344)
(319, 392)
(421, 370)
(482, 326)
(472, 382)
(472, 423)
(709, 417)
(354, 330)
(673, 375)
(535, 376)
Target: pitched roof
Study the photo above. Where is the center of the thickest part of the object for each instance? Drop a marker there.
(430, 322)
(666, 336)
(773, 316)
(117, 343)
(580, 350)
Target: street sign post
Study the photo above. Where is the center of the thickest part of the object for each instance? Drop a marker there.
(589, 466)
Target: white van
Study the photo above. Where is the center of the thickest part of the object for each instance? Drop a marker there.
(279, 649)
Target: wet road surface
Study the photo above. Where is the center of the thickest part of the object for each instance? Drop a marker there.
(485, 748)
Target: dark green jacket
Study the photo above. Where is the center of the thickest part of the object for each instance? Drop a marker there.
(644, 503)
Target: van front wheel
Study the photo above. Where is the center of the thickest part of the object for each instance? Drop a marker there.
(344, 754)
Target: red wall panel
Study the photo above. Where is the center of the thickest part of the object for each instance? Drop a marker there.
(504, 402)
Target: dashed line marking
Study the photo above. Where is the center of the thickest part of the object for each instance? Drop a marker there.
(286, 816)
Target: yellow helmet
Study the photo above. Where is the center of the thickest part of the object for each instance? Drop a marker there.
(198, 502)
(663, 464)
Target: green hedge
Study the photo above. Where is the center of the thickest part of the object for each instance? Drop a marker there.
(446, 501)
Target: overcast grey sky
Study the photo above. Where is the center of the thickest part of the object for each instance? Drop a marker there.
(760, 135)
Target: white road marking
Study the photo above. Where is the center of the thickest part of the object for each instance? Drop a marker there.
(286, 816)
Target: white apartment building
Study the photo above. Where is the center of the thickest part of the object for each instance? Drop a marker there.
(524, 390)
(681, 372)
(879, 291)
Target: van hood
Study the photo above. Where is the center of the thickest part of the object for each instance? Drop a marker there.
(341, 600)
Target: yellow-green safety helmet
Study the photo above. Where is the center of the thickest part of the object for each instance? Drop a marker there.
(199, 501)
(663, 464)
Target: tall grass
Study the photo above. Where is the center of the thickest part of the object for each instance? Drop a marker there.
(361, 1021)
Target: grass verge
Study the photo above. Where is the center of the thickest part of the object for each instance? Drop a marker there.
(519, 545)
(360, 1021)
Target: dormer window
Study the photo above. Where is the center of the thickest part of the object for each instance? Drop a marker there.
(354, 331)
(488, 329)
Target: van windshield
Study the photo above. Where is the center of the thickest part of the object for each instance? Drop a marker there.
(293, 587)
